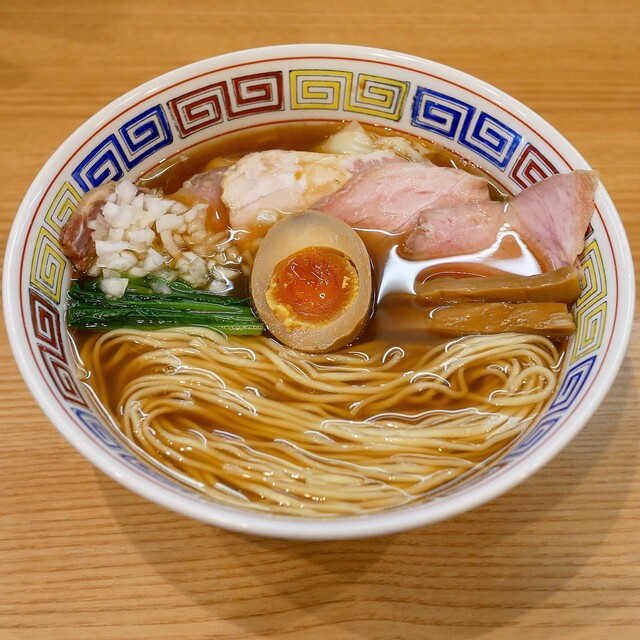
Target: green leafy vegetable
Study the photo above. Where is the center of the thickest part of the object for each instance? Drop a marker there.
(154, 303)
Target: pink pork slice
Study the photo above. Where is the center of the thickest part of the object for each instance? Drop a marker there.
(390, 197)
(205, 187)
(450, 231)
(552, 216)
(76, 236)
(265, 184)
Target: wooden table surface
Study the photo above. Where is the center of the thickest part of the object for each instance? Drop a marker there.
(558, 557)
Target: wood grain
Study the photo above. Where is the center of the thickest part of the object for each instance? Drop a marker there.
(558, 557)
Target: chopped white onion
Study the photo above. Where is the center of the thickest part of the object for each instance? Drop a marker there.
(170, 244)
(138, 272)
(157, 207)
(218, 286)
(156, 256)
(138, 201)
(104, 247)
(138, 233)
(152, 261)
(110, 210)
(115, 235)
(178, 207)
(114, 287)
(120, 262)
(169, 221)
(126, 192)
(194, 212)
(161, 287)
(125, 216)
(142, 236)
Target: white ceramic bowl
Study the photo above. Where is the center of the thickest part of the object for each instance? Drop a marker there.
(242, 90)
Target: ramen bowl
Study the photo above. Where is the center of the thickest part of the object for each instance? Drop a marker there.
(245, 90)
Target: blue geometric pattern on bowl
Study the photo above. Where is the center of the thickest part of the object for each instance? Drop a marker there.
(136, 140)
(454, 119)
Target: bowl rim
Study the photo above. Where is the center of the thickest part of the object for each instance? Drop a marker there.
(264, 524)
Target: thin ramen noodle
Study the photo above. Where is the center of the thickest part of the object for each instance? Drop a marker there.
(318, 434)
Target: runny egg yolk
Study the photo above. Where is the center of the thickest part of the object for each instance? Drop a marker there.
(312, 286)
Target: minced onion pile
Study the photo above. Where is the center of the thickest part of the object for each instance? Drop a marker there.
(140, 233)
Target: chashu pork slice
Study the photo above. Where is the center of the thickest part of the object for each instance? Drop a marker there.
(76, 236)
(450, 231)
(204, 187)
(552, 216)
(391, 197)
(264, 186)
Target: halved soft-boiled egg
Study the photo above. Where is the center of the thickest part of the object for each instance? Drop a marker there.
(311, 282)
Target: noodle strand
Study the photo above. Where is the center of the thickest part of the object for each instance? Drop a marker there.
(255, 425)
